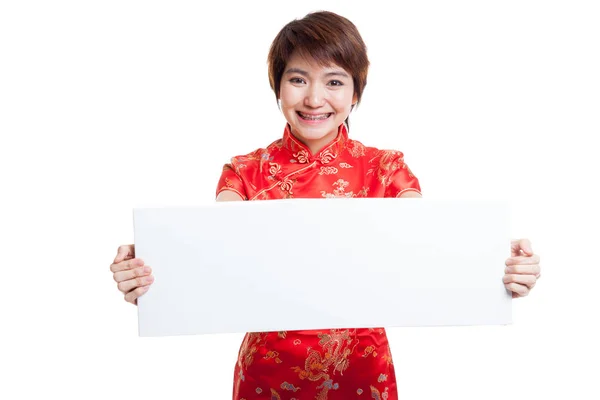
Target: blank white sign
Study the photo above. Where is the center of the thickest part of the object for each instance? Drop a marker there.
(323, 263)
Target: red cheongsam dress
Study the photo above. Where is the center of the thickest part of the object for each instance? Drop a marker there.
(328, 363)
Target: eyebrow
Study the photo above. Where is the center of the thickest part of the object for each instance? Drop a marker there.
(304, 73)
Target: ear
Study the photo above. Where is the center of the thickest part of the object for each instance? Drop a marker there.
(354, 100)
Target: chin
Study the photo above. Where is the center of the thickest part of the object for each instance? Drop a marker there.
(314, 134)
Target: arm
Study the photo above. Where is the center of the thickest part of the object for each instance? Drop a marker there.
(410, 194)
(229, 195)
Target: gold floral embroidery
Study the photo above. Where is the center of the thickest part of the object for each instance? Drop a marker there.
(328, 171)
(282, 334)
(239, 167)
(375, 394)
(388, 357)
(327, 156)
(275, 395)
(337, 346)
(368, 351)
(345, 165)
(263, 158)
(326, 386)
(286, 185)
(364, 192)
(382, 378)
(387, 163)
(273, 355)
(302, 156)
(357, 149)
(340, 191)
(274, 168)
(249, 348)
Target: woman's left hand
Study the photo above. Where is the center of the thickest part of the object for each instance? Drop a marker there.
(522, 268)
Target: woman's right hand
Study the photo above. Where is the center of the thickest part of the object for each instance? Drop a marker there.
(132, 277)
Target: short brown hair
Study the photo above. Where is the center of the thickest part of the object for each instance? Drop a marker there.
(327, 38)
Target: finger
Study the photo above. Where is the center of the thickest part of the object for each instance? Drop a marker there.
(523, 269)
(132, 296)
(533, 259)
(131, 284)
(127, 264)
(124, 252)
(131, 273)
(526, 280)
(517, 245)
(519, 289)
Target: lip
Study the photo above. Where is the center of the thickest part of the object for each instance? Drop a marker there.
(312, 113)
(313, 122)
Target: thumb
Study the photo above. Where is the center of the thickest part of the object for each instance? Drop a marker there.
(526, 247)
(124, 252)
(522, 244)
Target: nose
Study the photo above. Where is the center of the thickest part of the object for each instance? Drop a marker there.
(315, 96)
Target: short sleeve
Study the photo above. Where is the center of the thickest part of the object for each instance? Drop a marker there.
(401, 178)
(230, 180)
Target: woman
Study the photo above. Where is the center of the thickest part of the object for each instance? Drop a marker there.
(317, 69)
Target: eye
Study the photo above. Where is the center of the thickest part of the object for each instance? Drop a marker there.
(297, 80)
(336, 83)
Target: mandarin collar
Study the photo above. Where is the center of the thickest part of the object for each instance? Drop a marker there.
(301, 154)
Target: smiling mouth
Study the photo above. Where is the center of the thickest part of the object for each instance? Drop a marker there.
(313, 117)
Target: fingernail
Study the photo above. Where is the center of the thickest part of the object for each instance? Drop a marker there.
(150, 279)
(147, 270)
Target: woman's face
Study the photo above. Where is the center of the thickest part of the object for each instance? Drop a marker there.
(315, 100)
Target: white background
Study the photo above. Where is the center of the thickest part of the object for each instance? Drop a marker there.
(109, 105)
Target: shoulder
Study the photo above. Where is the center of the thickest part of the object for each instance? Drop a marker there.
(373, 154)
(241, 174)
(256, 157)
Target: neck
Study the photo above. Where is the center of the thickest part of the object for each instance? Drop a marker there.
(316, 145)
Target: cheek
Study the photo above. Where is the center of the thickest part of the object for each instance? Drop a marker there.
(342, 100)
(290, 95)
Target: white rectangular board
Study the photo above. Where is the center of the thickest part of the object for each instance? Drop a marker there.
(323, 263)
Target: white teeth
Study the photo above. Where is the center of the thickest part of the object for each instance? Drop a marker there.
(314, 117)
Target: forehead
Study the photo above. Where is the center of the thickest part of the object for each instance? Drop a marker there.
(307, 63)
